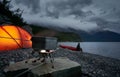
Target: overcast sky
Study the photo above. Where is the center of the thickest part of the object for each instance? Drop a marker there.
(86, 15)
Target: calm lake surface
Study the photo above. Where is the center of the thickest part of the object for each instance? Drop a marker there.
(109, 49)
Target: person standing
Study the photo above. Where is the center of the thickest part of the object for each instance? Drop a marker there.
(79, 48)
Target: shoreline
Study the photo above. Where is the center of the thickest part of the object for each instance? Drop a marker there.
(92, 65)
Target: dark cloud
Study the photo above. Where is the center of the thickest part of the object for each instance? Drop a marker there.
(74, 7)
(62, 4)
(100, 22)
(34, 5)
(107, 25)
(55, 8)
(85, 15)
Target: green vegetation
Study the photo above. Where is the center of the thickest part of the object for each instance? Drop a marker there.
(36, 29)
(62, 36)
(67, 36)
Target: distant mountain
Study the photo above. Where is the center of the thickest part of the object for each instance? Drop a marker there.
(102, 36)
(77, 35)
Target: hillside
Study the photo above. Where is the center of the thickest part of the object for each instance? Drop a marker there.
(62, 36)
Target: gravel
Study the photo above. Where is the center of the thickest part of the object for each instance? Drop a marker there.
(8, 57)
(92, 65)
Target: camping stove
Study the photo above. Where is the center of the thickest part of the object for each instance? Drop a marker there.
(45, 46)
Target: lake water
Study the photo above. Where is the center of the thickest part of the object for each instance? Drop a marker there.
(109, 49)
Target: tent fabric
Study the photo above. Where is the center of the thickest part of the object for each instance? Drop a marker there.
(13, 37)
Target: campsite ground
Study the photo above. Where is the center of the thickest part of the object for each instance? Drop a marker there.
(92, 65)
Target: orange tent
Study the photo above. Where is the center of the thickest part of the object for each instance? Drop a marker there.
(14, 37)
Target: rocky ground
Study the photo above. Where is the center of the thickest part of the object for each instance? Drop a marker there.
(8, 57)
(92, 65)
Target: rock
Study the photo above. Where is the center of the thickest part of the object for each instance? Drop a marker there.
(89, 62)
(63, 67)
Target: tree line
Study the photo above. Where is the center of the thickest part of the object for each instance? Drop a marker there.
(13, 17)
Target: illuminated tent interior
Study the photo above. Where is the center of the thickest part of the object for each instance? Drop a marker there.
(13, 37)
